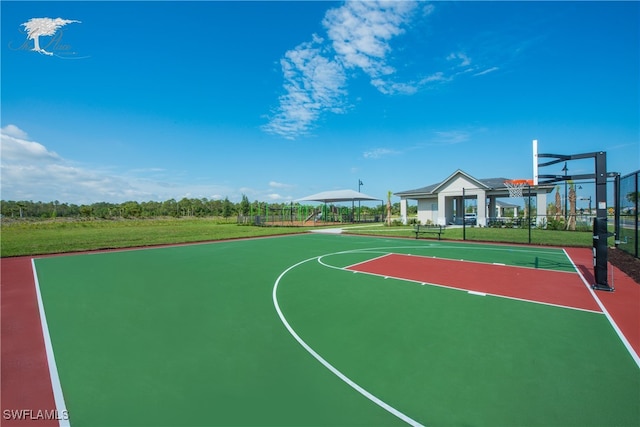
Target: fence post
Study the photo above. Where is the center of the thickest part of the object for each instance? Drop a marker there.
(529, 210)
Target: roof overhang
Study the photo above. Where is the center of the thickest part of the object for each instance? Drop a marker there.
(338, 196)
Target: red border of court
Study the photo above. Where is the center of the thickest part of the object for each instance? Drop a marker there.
(26, 384)
(623, 304)
(25, 381)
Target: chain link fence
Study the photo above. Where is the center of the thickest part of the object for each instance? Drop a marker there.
(628, 196)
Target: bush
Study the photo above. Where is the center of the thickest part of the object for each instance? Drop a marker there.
(555, 224)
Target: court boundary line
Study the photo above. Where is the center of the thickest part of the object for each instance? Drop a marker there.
(58, 396)
(612, 322)
(324, 362)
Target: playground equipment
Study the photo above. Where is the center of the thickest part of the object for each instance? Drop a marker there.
(294, 214)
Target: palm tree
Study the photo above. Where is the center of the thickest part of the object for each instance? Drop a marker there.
(571, 224)
(558, 204)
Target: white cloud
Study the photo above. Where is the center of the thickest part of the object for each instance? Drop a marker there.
(451, 137)
(391, 88)
(462, 57)
(13, 130)
(361, 31)
(30, 171)
(359, 36)
(378, 153)
(275, 184)
(15, 147)
(315, 72)
(277, 197)
(487, 71)
(313, 84)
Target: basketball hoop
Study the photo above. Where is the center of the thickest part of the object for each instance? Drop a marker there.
(515, 186)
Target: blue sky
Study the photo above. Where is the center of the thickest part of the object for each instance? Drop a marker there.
(279, 100)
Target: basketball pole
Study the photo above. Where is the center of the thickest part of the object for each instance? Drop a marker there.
(535, 162)
(600, 231)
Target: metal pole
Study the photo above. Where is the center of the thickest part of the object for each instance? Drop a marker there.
(616, 204)
(464, 222)
(352, 210)
(565, 169)
(529, 211)
(637, 216)
(600, 231)
(359, 184)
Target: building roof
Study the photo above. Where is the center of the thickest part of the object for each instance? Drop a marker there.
(337, 196)
(487, 184)
(506, 205)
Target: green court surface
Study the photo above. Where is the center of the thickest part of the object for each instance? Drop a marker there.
(191, 336)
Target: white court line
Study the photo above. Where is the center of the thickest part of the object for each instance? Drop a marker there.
(437, 285)
(362, 262)
(326, 364)
(630, 349)
(372, 250)
(480, 294)
(386, 252)
(470, 261)
(61, 408)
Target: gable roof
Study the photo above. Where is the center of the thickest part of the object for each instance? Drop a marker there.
(487, 184)
(460, 172)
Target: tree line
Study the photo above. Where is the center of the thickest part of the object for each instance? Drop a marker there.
(186, 207)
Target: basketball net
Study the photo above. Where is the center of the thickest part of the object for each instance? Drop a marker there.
(515, 186)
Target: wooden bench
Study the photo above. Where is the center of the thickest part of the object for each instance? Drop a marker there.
(428, 229)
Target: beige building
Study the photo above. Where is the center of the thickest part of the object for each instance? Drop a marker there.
(444, 203)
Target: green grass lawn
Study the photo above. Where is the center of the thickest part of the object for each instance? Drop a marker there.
(46, 237)
(22, 238)
(507, 235)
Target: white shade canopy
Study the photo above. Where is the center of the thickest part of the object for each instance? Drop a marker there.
(337, 196)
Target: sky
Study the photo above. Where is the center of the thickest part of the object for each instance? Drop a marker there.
(277, 100)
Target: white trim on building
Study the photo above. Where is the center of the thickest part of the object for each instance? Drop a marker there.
(443, 203)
